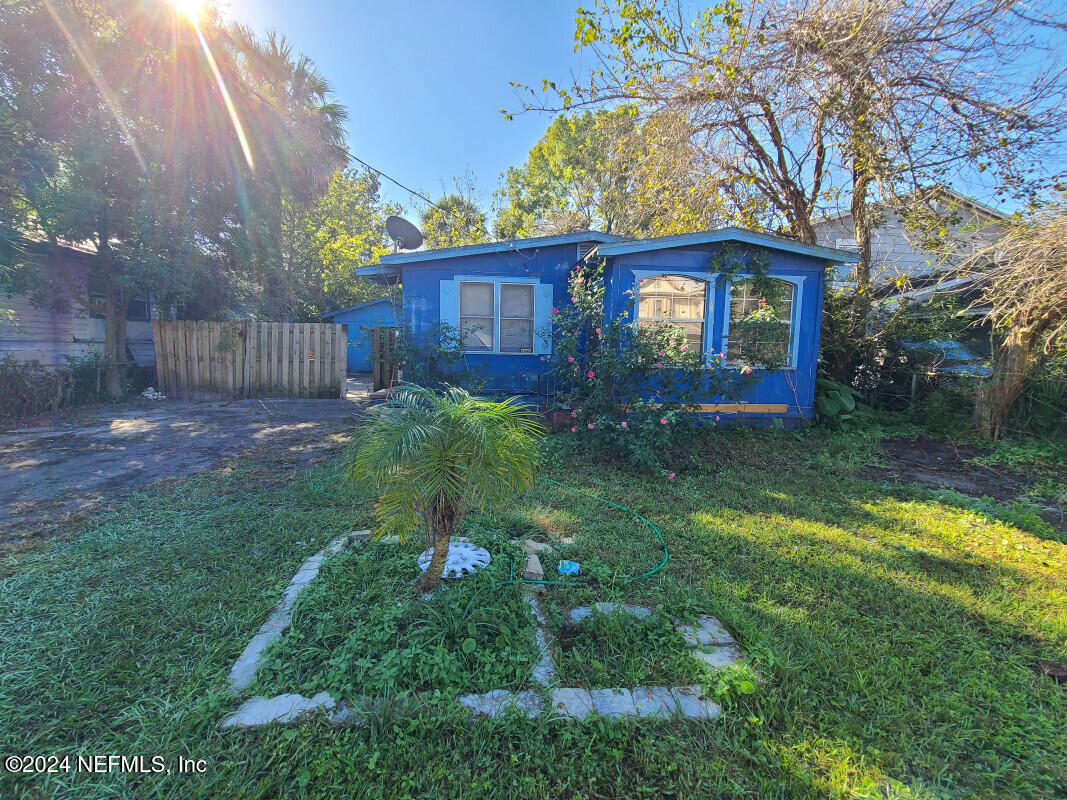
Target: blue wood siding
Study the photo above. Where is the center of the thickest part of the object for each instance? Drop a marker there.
(793, 387)
(431, 296)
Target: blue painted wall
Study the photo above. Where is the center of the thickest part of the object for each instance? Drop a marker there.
(429, 297)
(793, 386)
(359, 320)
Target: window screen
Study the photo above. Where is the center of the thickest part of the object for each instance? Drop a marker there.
(516, 318)
(477, 315)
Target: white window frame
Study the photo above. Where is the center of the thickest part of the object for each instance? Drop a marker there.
(496, 283)
(794, 318)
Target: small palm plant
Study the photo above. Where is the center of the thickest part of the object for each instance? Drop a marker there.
(434, 455)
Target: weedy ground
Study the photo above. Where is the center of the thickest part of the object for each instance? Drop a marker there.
(894, 630)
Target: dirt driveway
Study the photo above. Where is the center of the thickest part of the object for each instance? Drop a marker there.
(77, 461)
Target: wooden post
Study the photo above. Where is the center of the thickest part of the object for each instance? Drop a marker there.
(341, 351)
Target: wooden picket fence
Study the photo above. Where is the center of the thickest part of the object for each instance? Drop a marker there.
(207, 360)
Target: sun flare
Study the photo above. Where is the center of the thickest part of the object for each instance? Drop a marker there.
(193, 9)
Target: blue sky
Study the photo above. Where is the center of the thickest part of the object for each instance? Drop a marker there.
(424, 82)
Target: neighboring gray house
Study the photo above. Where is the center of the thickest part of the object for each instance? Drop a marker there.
(53, 323)
(895, 250)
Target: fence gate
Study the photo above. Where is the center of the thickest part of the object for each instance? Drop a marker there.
(385, 345)
(250, 359)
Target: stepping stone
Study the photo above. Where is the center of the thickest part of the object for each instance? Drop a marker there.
(533, 571)
(544, 671)
(689, 703)
(613, 702)
(705, 631)
(535, 548)
(580, 613)
(718, 657)
(653, 701)
(634, 611)
(283, 708)
(497, 702)
(574, 703)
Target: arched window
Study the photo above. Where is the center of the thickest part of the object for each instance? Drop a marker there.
(673, 299)
(761, 322)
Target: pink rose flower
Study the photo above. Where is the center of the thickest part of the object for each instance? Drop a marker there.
(403, 363)
(670, 477)
(662, 420)
(574, 299)
(717, 417)
(590, 374)
(570, 359)
(624, 424)
(590, 426)
(574, 413)
(747, 371)
(598, 331)
(574, 430)
(661, 353)
(555, 310)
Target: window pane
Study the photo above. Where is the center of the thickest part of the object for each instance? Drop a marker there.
(675, 299)
(516, 335)
(516, 300)
(477, 332)
(758, 341)
(476, 299)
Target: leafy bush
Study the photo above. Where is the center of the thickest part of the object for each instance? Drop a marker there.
(836, 405)
(27, 388)
(630, 389)
(436, 359)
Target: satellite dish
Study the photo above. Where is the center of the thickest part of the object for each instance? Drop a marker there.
(406, 235)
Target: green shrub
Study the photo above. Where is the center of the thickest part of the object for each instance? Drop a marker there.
(28, 389)
(631, 389)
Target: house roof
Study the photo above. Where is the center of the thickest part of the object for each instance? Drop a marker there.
(617, 248)
(489, 247)
(943, 190)
(368, 304)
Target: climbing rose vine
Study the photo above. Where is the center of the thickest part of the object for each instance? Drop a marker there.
(632, 389)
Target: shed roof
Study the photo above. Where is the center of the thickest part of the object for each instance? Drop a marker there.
(497, 247)
(368, 304)
(618, 248)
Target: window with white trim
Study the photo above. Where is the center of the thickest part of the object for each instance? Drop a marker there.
(496, 317)
(477, 315)
(761, 321)
(675, 300)
(516, 318)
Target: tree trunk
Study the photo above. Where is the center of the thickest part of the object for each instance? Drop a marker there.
(1000, 391)
(444, 519)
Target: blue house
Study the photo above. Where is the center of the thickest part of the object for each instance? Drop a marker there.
(360, 320)
(500, 296)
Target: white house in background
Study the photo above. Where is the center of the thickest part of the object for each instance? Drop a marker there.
(896, 251)
(55, 323)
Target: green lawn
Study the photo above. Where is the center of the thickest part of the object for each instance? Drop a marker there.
(894, 631)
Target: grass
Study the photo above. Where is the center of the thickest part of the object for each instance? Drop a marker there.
(894, 631)
(359, 630)
(613, 650)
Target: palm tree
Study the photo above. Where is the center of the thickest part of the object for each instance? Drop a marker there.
(436, 455)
